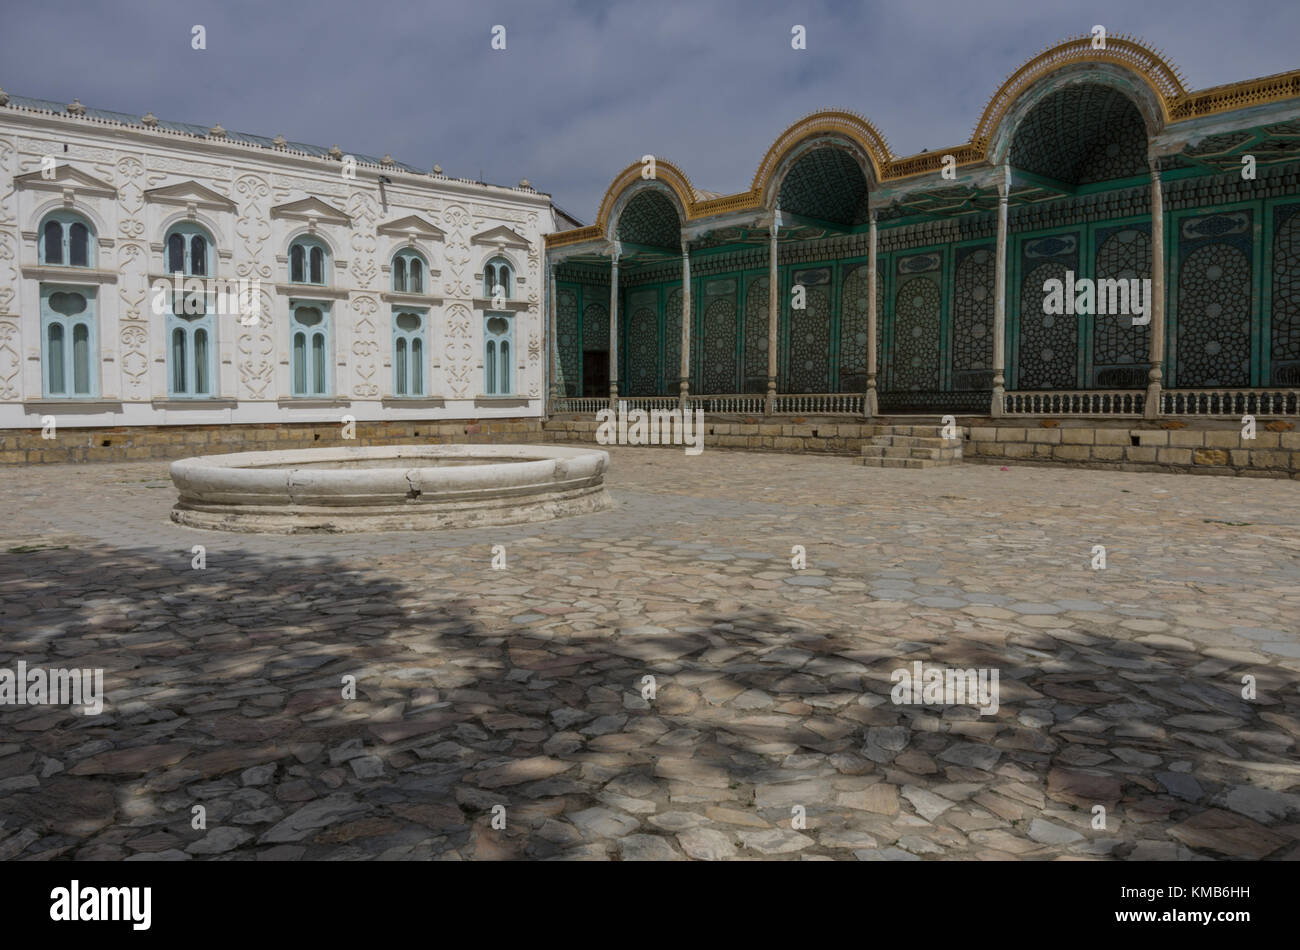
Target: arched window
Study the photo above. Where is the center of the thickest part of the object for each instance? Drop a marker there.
(189, 251)
(78, 245)
(190, 354)
(497, 333)
(66, 239)
(307, 260)
(68, 335)
(497, 279)
(309, 333)
(408, 352)
(408, 272)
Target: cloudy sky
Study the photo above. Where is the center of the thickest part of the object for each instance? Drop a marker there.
(585, 87)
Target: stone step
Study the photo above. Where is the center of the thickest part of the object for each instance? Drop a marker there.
(934, 432)
(912, 447)
(914, 440)
(901, 463)
(912, 452)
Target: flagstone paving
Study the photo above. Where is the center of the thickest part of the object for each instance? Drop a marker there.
(771, 732)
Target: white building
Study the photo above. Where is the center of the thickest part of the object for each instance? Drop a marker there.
(382, 292)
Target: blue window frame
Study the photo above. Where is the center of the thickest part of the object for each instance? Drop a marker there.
(409, 352)
(69, 341)
(309, 338)
(191, 350)
(188, 250)
(308, 261)
(409, 272)
(67, 239)
(498, 339)
(497, 278)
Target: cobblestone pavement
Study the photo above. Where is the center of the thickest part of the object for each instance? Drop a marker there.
(1120, 688)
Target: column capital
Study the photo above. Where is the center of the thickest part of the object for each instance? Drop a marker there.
(614, 250)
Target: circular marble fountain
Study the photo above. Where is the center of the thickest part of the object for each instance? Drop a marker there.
(388, 488)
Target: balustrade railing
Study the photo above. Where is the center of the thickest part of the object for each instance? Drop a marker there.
(729, 402)
(820, 404)
(1227, 402)
(809, 404)
(1075, 403)
(650, 402)
(581, 403)
(1230, 402)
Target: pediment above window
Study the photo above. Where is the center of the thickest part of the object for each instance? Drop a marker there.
(65, 178)
(501, 236)
(190, 193)
(413, 226)
(311, 209)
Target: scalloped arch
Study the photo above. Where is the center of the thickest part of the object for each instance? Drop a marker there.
(1129, 53)
(856, 128)
(629, 181)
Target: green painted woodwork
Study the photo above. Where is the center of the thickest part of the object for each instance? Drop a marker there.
(1212, 249)
(935, 300)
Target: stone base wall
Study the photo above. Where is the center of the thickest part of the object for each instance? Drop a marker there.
(1205, 448)
(1208, 447)
(831, 438)
(130, 443)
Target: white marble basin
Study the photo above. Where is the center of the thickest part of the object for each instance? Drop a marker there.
(395, 487)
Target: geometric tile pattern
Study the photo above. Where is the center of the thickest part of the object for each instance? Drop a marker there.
(827, 184)
(1120, 349)
(1081, 134)
(810, 334)
(972, 322)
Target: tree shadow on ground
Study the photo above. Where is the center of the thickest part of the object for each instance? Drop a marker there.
(226, 690)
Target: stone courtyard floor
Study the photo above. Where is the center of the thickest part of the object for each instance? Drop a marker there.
(475, 687)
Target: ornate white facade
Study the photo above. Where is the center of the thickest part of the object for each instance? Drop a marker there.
(472, 353)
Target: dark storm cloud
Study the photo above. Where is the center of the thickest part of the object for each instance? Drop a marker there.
(586, 87)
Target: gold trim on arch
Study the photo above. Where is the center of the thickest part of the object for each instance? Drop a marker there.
(850, 125)
(674, 178)
(1130, 53)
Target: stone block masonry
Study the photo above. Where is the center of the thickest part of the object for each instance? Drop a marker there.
(1207, 447)
(1204, 447)
(128, 443)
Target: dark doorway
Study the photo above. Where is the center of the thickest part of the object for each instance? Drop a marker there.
(595, 373)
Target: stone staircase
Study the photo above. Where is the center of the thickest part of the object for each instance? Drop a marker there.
(912, 447)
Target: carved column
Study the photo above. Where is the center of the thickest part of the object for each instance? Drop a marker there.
(773, 311)
(870, 407)
(553, 350)
(686, 325)
(1156, 304)
(1000, 300)
(613, 328)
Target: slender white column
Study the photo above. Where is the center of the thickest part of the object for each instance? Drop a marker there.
(554, 349)
(1156, 304)
(613, 330)
(1000, 301)
(773, 311)
(871, 407)
(685, 387)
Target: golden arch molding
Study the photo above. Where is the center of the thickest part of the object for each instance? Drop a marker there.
(1160, 81)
